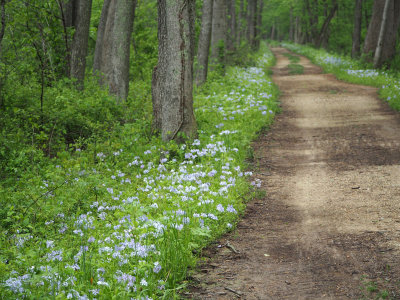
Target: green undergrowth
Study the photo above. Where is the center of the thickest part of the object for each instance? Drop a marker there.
(121, 216)
(354, 71)
(295, 69)
(293, 58)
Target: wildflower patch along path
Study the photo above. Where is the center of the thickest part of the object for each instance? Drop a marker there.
(329, 224)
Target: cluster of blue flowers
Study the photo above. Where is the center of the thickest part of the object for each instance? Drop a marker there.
(156, 202)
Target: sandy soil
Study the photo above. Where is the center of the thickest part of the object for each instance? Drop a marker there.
(329, 225)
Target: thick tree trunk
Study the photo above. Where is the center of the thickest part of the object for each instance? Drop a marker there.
(371, 39)
(218, 34)
(355, 51)
(115, 47)
(173, 77)
(80, 42)
(231, 37)
(382, 32)
(323, 34)
(390, 36)
(204, 42)
(100, 36)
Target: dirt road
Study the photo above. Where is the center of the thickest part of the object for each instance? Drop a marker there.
(329, 225)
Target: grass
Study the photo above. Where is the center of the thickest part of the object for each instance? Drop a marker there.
(121, 218)
(295, 69)
(292, 58)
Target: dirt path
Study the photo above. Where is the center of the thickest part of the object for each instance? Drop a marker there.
(329, 225)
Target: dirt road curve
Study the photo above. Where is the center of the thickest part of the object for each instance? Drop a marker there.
(329, 225)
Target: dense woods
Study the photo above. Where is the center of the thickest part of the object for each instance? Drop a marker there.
(80, 80)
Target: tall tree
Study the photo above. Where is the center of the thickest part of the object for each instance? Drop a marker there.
(291, 25)
(382, 32)
(100, 36)
(173, 77)
(218, 33)
(355, 51)
(80, 41)
(113, 57)
(2, 20)
(231, 37)
(390, 32)
(259, 24)
(251, 21)
(323, 33)
(204, 42)
(241, 23)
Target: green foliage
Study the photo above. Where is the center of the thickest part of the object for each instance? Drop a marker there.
(295, 69)
(119, 213)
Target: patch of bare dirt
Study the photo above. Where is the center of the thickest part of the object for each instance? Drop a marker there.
(329, 225)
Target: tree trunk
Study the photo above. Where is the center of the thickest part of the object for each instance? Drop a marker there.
(80, 42)
(218, 33)
(297, 32)
(291, 25)
(241, 23)
(371, 38)
(2, 20)
(323, 34)
(273, 31)
(113, 57)
(313, 20)
(355, 51)
(382, 32)
(259, 24)
(100, 36)
(251, 21)
(173, 77)
(204, 42)
(390, 36)
(231, 38)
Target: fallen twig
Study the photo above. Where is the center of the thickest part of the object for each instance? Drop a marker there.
(233, 291)
(230, 247)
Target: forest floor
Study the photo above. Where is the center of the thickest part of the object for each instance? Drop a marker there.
(328, 226)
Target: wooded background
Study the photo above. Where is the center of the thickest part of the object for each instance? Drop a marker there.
(72, 69)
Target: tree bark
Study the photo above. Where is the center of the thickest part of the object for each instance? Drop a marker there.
(355, 51)
(291, 25)
(324, 29)
(204, 42)
(231, 37)
(241, 23)
(313, 20)
(273, 31)
(114, 54)
(218, 33)
(3, 20)
(100, 36)
(297, 32)
(259, 24)
(251, 21)
(382, 32)
(390, 36)
(80, 42)
(173, 77)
